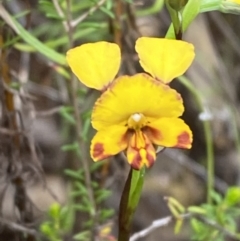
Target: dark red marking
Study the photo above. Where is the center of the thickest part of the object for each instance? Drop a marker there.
(184, 140)
(152, 133)
(136, 161)
(98, 151)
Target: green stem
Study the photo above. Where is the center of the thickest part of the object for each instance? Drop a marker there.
(129, 201)
(123, 222)
(208, 137)
(210, 159)
(189, 13)
(210, 5)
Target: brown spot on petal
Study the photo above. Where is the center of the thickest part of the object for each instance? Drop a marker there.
(140, 151)
(136, 162)
(144, 156)
(98, 152)
(152, 133)
(184, 140)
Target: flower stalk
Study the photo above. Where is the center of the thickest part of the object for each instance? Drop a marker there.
(129, 202)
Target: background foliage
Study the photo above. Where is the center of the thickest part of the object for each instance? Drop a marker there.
(50, 188)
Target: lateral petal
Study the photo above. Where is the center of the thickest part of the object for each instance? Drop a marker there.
(109, 142)
(169, 132)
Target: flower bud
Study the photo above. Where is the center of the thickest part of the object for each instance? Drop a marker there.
(177, 5)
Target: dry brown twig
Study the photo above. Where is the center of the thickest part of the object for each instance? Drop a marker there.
(17, 227)
(73, 86)
(158, 223)
(75, 22)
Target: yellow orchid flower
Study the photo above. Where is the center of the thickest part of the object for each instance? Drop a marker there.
(135, 113)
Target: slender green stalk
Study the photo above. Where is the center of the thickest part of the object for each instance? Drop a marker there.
(31, 40)
(189, 13)
(208, 136)
(123, 222)
(129, 201)
(210, 5)
(210, 159)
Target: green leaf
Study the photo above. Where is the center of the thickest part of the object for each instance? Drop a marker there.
(232, 196)
(88, 224)
(109, 4)
(86, 128)
(74, 174)
(106, 213)
(67, 217)
(54, 210)
(178, 226)
(129, 201)
(136, 187)
(196, 210)
(66, 113)
(196, 225)
(46, 229)
(38, 45)
(49, 10)
(24, 48)
(86, 202)
(216, 197)
(81, 187)
(107, 12)
(70, 147)
(77, 193)
(21, 14)
(96, 165)
(95, 185)
(102, 194)
(85, 236)
(81, 207)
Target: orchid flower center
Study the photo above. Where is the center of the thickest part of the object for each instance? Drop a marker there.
(137, 121)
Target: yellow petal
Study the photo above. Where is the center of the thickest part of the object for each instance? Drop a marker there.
(169, 132)
(109, 142)
(164, 59)
(95, 64)
(135, 94)
(234, 1)
(140, 151)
